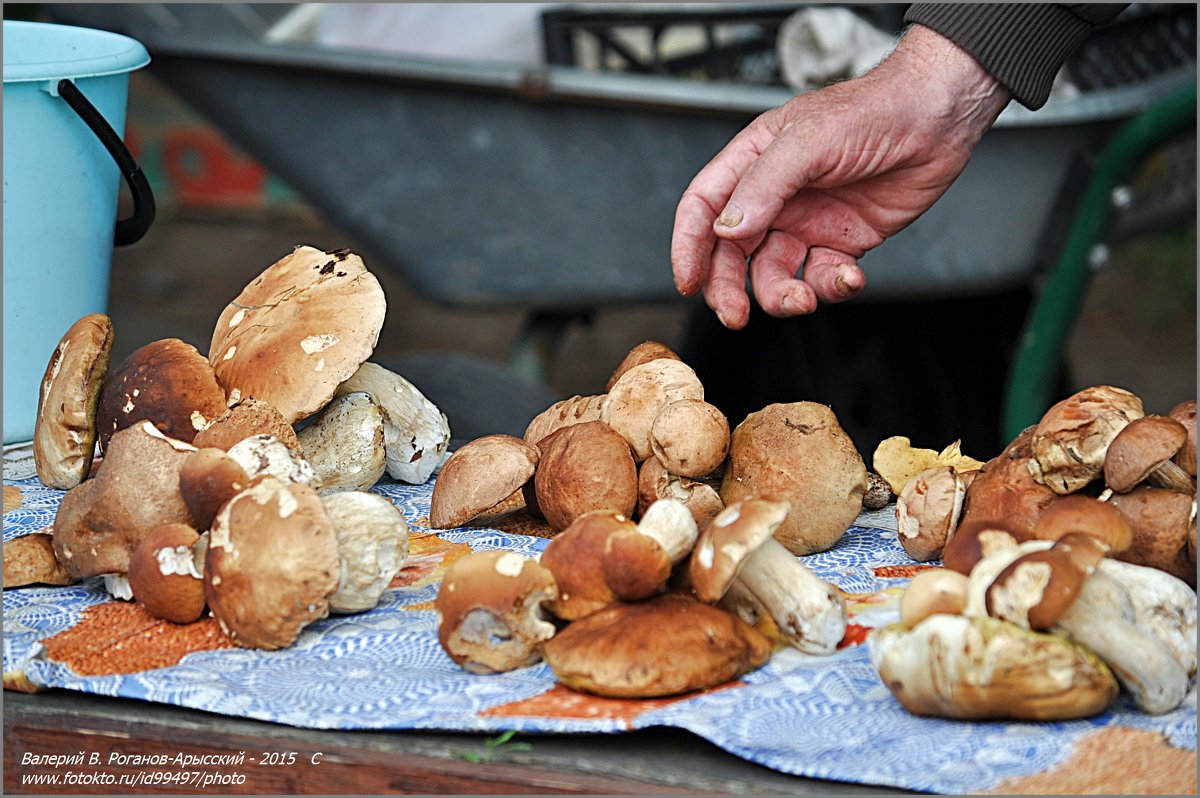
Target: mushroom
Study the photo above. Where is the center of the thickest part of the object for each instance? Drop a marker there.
(1166, 607)
(637, 560)
(927, 511)
(1185, 414)
(656, 483)
(272, 564)
(668, 645)
(298, 330)
(1143, 451)
(564, 413)
(933, 592)
(799, 452)
(1005, 488)
(30, 560)
(1070, 441)
(166, 576)
(575, 557)
(1163, 524)
(246, 418)
(690, 437)
(64, 431)
(478, 476)
(979, 668)
(1078, 512)
(897, 461)
(739, 544)
(879, 492)
(136, 488)
(166, 382)
(261, 455)
(372, 544)
(416, 434)
(979, 538)
(207, 479)
(344, 443)
(644, 352)
(581, 468)
(490, 611)
(1036, 588)
(636, 398)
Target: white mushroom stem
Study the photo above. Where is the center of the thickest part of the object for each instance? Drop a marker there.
(118, 586)
(670, 524)
(1163, 605)
(741, 602)
(1169, 475)
(810, 612)
(1104, 619)
(511, 638)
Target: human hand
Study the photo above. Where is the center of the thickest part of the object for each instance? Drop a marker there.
(819, 181)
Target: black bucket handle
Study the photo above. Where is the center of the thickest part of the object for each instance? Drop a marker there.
(131, 229)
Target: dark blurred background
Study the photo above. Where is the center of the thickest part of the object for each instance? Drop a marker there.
(933, 370)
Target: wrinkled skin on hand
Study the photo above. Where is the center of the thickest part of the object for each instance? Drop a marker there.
(809, 187)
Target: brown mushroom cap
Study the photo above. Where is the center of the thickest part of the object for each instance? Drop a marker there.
(1185, 414)
(727, 542)
(1070, 441)
(245, 419)
(564, 413)
(979, 538)
(927, 511)
(207, 479)
(1080, 513)
(30, 560)
(1035, 589)
(634, 400)
(166, 382)
(272, 564)
(480, 475)
(800, 452)
(581, 468)
(933, 592)
(667, 645)
(490, 611)
(1005, 488)
(642, 353)
(637, 561)
(298, 330)
(690, 437)
(1141, 448)
(575, 557)
(656, 483)
(164, 576)
(1162, 522)
(64, 432)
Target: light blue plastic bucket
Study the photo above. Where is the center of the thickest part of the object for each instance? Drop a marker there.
(61, 185)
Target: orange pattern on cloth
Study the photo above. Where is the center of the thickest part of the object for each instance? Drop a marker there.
(121, 637)
(901, 571)
(563, 702)
(1147, 765)
(428, 558)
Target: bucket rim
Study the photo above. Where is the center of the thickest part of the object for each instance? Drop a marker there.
(125, 55)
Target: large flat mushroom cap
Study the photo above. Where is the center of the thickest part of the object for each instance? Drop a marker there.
(64, 432)
(481, 474)
(667, 645)
(299, 330)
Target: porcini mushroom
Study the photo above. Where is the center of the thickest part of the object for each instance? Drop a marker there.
(344, 443)
(164, 575)
(1185, 414)
(979, 538)
(30, 560)
(207, 479)
(1036, 588)
(64, 431)
(261, 455)
(636, 398)
(644, 352)
(575, 557)
(637, 560)
(581, 468)
(480, 475)
(1070, 441)
(927, 511)
(933, 592)
(1144, 450)
(1162, 523)
(1077, 512)
(564, 413)
(739, 544)
(372, 544)
(298, 330)
(656, 483)
(491, 611)
(245, 419)
(690, 437)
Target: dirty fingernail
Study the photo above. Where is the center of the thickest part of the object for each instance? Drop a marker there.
(840, 284)
(731, 216)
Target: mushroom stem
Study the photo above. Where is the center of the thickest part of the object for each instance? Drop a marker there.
(810, 612)
(669, 524)
(1171, 476)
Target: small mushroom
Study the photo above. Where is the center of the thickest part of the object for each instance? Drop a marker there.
(372, 544)
(30, 560)
(1036, 588)
(1070, 442)
(979, 538)
(416, 433)
(581, 468)
(564, 413)
(244, 419)
(690, 438)
(344, 443)
(1185, 414)
(656, 483)
(1162, 523)
(644, 352)
(64, 431)
(164, 575)
(637, 560)
(1143, 451)
(927, 511)
(879, 493)
(480, 475)
(207, 479)
(575, 557)
(298, 331)
(668, 645)
(1078, 512)
(636, 398)
(933, 592)
(491, 611)
(166, 382)
(261, 455)
(739, 544)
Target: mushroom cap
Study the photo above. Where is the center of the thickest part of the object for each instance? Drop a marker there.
(490, 611)
(879, 492)
(581, 468)
(656, 483)
(480, 475)
(979, 538)
(272, 564)
(64, 432)
(1162, 522)
(344, 443)
(1072, 438)
(30, 560)
(800, 452)
(167, 382)
(726, 543)
(933, 592)
(1005, 488)
(667, 645)
(1035, 589)
(644, 352)
(564, 413)
(634, 400)
(575, 557)
(298, 330)
(372, 538)
(1185, 414)
(1139, 448)
(245, 419)
(927, 511)
(164, 576)
(136, 488)
(637, 561)
(207, 479)
(690, 437)
(1078, 512)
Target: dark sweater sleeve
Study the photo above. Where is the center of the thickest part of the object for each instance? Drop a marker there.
(1022, 45)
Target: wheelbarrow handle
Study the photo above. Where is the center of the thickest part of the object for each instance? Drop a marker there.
(133, 228)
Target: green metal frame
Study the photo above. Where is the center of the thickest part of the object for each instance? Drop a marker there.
(1042, 344)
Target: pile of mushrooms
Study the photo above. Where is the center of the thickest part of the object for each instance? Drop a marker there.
(238, 480)
(656, 511)
(1069, 569)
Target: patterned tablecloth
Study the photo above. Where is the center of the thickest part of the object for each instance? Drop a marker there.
(823, 717)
